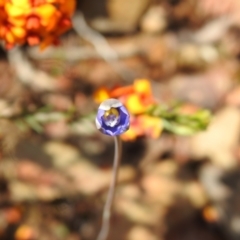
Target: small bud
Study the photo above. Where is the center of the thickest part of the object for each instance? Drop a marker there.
(112, 118)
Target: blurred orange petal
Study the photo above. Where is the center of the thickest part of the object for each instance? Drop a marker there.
(21, 3)
(142, 86)
(211, 214)
(129, 135)
(18, 32)
(101, 94)
(33, 40)
(64, 24)
(143, 125)
(68, 7)
(24, 232)
(45, 11)
(14, 11)
(13, 215)
(9, 46)
(152, 125)
(3, 31)
(134, 131)
(47, 42)
(10, 37)
(121, 91)
(33, 23)
(18, 21)
(134, 104)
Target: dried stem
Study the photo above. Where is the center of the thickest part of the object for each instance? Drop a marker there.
(103, 234)
(102, 47)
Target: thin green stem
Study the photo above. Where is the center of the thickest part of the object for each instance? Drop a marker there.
(103, 234)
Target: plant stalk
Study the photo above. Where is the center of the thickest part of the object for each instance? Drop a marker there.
(103, 234)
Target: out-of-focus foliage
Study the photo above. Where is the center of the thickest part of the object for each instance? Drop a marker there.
(180, 119)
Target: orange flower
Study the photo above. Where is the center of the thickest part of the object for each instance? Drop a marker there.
(34, 21)
(137, 97)
(143, 125)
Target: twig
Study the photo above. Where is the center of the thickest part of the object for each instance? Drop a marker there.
(27, 74)
(103, 234)
(101, 46)
(78, 53)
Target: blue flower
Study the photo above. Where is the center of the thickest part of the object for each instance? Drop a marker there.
(112, 118)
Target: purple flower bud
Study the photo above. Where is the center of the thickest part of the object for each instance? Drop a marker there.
(112, 118)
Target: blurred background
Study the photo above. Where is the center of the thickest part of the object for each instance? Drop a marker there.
(55, 167)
